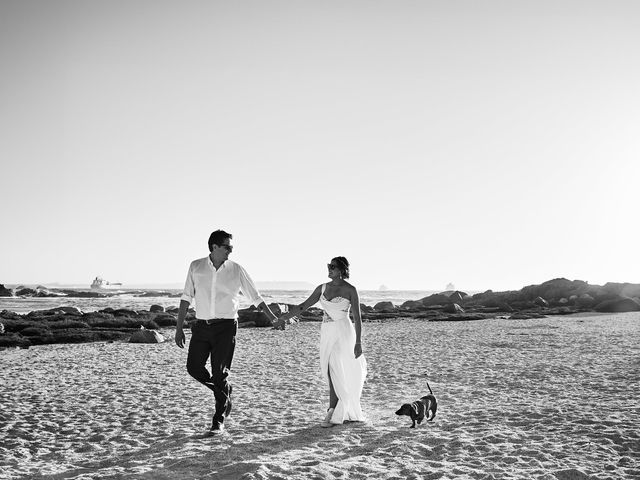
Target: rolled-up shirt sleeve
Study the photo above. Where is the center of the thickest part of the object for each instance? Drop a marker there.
(189, 287)
(248, 288)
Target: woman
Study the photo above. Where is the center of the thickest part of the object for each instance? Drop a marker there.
(341, 361)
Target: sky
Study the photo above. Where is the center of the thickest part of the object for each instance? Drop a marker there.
(491, 144)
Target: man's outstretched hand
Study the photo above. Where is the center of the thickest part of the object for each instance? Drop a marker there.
(180, 337)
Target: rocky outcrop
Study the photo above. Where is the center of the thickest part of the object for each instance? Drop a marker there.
(83, 294)
(413, 305)
(156, 309)
(453, 308)
(541, 302)
(384, 307)
(39, 291)
(146, 336)
(622, 289)
(366, 308)
(455, 296)
(5, 292)
(584, 301)
(57, 311)
(554, 290)
(436, 299)
(618, 305)
(253, 317)
(555, 297)
(26, 292)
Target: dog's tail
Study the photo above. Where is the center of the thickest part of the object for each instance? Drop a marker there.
(429, 388)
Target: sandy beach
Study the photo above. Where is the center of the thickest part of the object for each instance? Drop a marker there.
(551, 398)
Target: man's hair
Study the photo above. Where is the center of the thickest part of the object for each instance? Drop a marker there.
(343, 266)
(218, 237)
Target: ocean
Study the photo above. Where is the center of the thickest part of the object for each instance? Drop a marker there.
(143, 299)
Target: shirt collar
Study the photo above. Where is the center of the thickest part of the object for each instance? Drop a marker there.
(211, 263)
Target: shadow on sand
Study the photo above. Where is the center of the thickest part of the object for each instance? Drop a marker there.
(221, 457)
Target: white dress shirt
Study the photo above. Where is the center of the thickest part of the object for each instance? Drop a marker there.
(216, 291)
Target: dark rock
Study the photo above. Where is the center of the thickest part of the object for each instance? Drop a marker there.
(56, 311)
(5, 292)
(146, 336)
(91, 317)
(622, 289)
(71, 310)
(489, 298)
(453, 308)
(553, 290)
(523, 305)
(19, 324)
(412, 305)
(156, 309)
(45, 292)
(618, 305)
(14, 340)
(26, 292)
(456, 296)
(366, 308)
(39, 331)
(585, 301)
(252, 314)
(541, 302)
(384, 307)
(435, 299)
(10, 315)
(67, 323)
(165, 320)
(125, 312)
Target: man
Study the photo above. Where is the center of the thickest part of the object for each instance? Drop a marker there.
(215, 282)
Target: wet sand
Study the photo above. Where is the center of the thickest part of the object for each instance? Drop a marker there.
(551, 398)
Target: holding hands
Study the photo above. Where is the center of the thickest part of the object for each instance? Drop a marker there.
(280, 322)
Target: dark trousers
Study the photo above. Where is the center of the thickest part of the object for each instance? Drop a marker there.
(217, 341)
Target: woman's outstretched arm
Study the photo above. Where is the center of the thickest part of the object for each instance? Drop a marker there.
(297, 309)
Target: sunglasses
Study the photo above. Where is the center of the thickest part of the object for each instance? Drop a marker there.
(228, 248)
(331, 266)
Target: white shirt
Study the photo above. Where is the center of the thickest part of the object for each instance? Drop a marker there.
(216, 291)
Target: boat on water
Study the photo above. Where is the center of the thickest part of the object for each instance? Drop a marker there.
(100, 283)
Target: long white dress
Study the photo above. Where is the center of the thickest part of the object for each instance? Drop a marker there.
(337, 340)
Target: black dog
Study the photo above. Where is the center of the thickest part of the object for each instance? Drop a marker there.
(417, 410)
